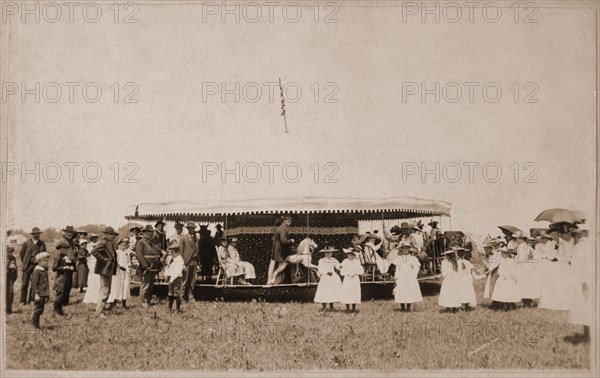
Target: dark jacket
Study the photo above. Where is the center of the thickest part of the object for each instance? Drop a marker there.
(63, 266)
(11, 267)
(28, 252)
(188, 248)
(281, 243)
(143, 249)
(39, 282)
(106, 258)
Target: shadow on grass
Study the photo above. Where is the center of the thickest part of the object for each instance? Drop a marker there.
(576, 339)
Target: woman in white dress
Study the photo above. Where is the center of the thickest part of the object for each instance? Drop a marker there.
(120, 286)
(92, 294)
(557, 281)
(581, 310)
(407, 290)
(351, 269)
(328, 290)
(506, 290)
(528, 263)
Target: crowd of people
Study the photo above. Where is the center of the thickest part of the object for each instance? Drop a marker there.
(553, 269)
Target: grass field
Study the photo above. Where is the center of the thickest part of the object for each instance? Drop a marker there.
(267, 336)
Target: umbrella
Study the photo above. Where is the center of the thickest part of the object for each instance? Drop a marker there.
(509, 229)
(581, 215)
(558, 215)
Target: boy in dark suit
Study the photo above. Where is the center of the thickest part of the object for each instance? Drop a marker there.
(64, 267)
(39, 286)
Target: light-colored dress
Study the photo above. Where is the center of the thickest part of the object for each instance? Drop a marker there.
(351, 270)
(371, 256)
(120, 284)
(528, 266)
(245, 267)
(92, 294)
(231, 268)
(506, 288)
(557, 280)
(328, 290)
(451, 286)
(581, 310)
(407, 288)
(466, 288)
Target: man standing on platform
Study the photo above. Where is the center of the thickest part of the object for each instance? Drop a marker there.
(189, 251)
(28, 252)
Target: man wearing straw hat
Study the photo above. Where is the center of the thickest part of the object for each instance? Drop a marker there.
(29, 250)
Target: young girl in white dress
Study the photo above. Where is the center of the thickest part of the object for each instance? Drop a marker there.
(467, 296)
(120, 284)
(407, 290)
(351, 269)
(450, 290)
(330, 283)
(92, 294)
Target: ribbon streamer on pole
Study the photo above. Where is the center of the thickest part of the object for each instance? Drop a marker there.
(283, 106)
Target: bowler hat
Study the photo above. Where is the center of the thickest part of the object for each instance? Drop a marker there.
(160, 221)
(190, 224)
(35, 230)
(287, 216)
(69, 229)
(395, 229)
(110, 231)
(94, 236)
(148, 228)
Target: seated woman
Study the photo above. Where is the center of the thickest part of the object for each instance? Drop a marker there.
(245, 267)
(229, 265)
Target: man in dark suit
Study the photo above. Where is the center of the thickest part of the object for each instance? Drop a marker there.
(189, 251)
(281, 247)
(106, 266)
(71, 252)
(28, 252)
(148, 257)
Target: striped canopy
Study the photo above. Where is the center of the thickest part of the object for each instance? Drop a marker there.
(322, 207)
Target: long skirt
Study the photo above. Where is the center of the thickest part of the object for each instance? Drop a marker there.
(329, 288)
(529, 279)
(350, 293)
(407, 290)
(249, 272)
(82, 275)
(93, 290)
(450, 292)
(119, 288)
(506, 290)
(556, 286)
(467, 290)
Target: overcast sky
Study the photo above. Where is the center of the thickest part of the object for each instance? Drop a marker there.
(363, 63)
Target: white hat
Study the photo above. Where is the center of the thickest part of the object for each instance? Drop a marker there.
(41, 255)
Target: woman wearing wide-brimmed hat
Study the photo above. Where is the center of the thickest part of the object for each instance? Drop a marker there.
(581, 310)
(330, 284)
(407, 290)
(506, 290)
(528, 263)
(557, 279)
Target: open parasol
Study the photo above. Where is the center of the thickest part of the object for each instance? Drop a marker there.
(558, 215)
(509, 229)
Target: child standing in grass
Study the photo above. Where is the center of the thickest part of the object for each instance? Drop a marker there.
(330, 284)
(407, 290)
(174, 274)
(449, 292)
(467, 296)
(351, 269)
(40, 286)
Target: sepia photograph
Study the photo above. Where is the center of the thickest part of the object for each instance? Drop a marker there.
(299, 188)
